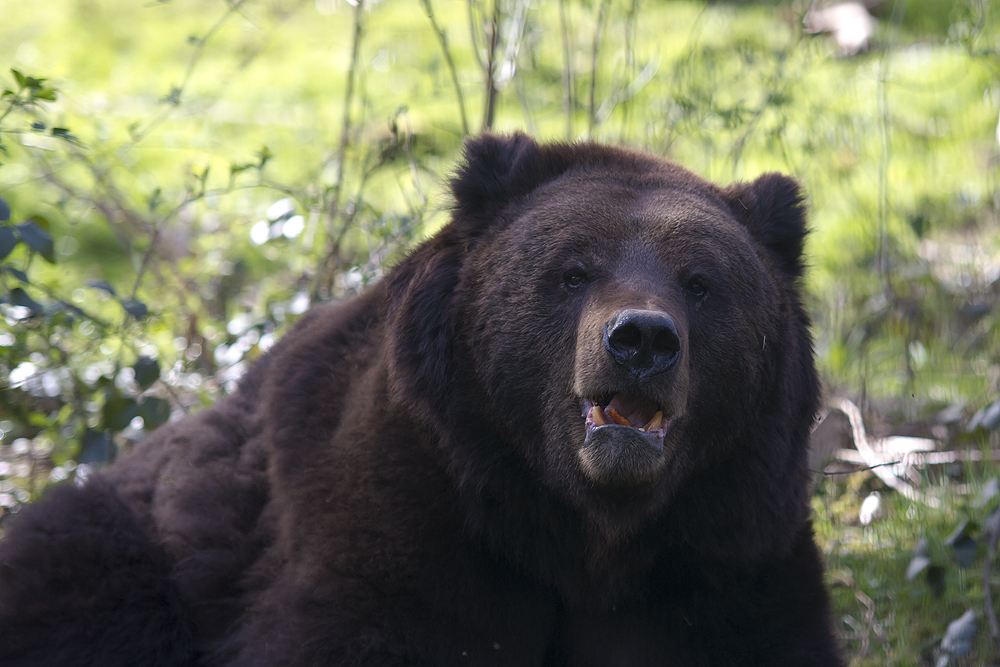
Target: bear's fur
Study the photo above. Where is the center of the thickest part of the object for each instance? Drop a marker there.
(423, 475)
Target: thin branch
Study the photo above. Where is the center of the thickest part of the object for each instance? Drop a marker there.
(175, 93)
(146, 256)
(491, 84)
(324, 274)
(602, 14)
(345, 130)
(567, 79)
(851, 472)
(630, 63)
(443, 39)
(871, 457)
(882, 231)
(474, 34)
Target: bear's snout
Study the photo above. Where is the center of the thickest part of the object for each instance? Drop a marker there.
(643, 342)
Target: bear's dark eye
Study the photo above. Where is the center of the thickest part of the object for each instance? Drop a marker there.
(574, 278)
(697, 287)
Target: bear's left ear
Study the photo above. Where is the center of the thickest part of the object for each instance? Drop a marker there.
(774, 210)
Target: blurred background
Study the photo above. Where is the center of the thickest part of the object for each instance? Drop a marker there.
(180, 180)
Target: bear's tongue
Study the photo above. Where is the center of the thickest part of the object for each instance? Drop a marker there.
(632, 410)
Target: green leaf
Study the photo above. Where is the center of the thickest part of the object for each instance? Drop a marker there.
(103, 285)
(95, 447)
(965, 551)
(8, 241)
(154, 412)
(964, 529)
(264, 155)
(147, 371)
(19, 297)
(44, 94)
(921, 559)
(957, 640)
(21, 80)
(4, 211)
(119, 412)
(38, 240)
(17, 273)
(936, 580)
(135, 308)
(155, 199)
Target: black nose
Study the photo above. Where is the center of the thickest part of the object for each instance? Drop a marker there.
(643, 341)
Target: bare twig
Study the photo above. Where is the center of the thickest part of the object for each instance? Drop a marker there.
(882, 236)
(623, 95)
(851, 472)
(145, 261)
(602, 14)
(748, 127)
(345, 128)
(630, 64)
(872, 458)
(176, 92)
(474, 34)
(328, 265)
(567, 80)
(443, 39)
(921, 458)
(489, 70)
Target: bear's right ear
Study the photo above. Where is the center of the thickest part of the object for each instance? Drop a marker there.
(499, 170)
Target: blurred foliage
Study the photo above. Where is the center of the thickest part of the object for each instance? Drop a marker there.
(179, 179)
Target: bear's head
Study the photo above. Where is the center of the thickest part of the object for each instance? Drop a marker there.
(624, 333)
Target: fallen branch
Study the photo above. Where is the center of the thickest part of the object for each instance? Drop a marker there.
(873, 459)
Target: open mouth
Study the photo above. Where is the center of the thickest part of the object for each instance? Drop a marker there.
(627, 411)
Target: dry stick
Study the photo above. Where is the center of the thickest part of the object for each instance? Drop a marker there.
(629, 61)
(882, 234)
(915, 458)
(602, 14)
(333, 249)
(567, 81)
(871, 457)
(750, 125)
(443, 39)
(491, 86)
(474, 34)
(345, 129)
(175, 94)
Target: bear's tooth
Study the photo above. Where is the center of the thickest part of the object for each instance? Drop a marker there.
(598, 416)
(655, 422)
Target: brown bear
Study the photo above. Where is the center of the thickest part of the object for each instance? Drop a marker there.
(569, 429)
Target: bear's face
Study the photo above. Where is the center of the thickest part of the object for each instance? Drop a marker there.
(607, 318)
(623, 320)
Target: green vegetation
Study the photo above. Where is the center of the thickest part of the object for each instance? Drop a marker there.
(178, 180)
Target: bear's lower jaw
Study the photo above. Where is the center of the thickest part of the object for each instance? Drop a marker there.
(623, 456)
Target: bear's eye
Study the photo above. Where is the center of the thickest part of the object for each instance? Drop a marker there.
(697, 287)
(574, 278)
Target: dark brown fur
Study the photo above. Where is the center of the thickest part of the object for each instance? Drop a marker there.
(401, 480)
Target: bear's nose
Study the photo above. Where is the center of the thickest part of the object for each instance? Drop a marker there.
(643, 341)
